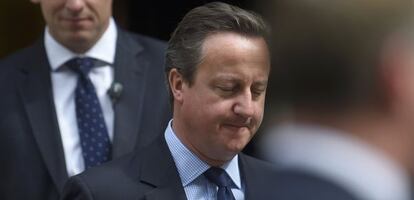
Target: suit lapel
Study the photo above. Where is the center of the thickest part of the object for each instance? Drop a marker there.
(159, 171)
(36, 92)
(252, 177)
(130, 65)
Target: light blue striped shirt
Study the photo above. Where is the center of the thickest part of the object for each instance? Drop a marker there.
(191, 169)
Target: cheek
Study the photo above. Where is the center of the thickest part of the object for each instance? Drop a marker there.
(49, 12)
(408, 88)
(209, 104)
(102, 8)
(259, 111)
(215, 112)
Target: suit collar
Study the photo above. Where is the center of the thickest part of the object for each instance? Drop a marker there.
(157, 169)
(183, 158)
(36, 92)
(253, 176)
(130, 66)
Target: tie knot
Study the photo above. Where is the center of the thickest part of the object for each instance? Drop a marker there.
(82, 66)
(218, 176)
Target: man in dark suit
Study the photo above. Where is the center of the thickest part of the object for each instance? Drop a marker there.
(54, 121)
(345, 71)
(218, 67)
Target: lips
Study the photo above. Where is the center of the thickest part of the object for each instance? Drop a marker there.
(235, 130)
(76, 20)
(239, 124)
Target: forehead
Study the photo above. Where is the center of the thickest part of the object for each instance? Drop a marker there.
(228, 52)
(231, 44)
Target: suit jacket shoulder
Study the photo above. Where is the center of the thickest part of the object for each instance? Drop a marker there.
(110, 181)
(148, 42)
(147, 174)
(28, 128)
(300, 185)
(143, 106)
(258, 177)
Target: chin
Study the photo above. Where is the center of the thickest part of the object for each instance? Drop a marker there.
(235, 147)
(85, 42)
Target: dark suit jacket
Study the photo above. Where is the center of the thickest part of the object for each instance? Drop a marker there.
(299, 185)
(32, 164)
(151, 174)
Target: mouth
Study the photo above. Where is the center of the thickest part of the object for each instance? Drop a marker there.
(236, 125)
(239, 125)
(78, 21)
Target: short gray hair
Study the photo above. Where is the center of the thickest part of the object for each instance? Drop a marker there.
(184, 47)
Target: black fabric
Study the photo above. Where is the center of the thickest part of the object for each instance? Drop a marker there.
(293, 184)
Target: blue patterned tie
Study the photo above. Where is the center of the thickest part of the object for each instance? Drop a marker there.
(220, 178)
(96, 147)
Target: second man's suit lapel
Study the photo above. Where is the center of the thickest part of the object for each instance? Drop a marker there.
(256, 178)
(158, 170)
(36, 92)
(130, 66)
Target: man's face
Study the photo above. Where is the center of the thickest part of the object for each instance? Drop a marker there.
(77, 24)
(223, 107)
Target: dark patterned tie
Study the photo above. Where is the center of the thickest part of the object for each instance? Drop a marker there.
(220, 178)
(96, 147)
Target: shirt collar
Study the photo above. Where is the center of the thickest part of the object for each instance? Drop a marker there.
(232, 169)
(103, 50)
(190, 166)
(341, 158)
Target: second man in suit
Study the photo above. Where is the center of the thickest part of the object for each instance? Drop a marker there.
(57, 118)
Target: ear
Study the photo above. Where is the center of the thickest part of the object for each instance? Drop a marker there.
(176, 82)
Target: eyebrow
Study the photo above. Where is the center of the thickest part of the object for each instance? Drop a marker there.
(263, 82)
(231, 78)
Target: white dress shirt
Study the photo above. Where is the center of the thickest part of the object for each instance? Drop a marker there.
(339, 157)
(64, 83)
(191, 169)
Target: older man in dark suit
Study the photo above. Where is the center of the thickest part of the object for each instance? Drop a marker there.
(218, 67)
(83, 94)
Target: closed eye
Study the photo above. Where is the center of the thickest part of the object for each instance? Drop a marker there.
(257, 93)
(258, 90)
(227, 91)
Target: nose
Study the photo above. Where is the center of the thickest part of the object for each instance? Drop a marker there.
(245, 105)
(75, 5)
